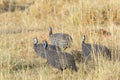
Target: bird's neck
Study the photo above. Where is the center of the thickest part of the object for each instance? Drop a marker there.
(83, 42)
(50, 32)
(35, 44)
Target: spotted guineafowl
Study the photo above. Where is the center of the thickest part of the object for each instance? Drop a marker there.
(40, 50)
(98, 49)
(60, 60)
(60, 39)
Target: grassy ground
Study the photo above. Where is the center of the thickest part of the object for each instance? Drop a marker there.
(18, 60)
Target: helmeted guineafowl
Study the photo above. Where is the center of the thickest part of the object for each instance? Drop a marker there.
(40, 50)
(97, 49)
(62, 40)
(60, 60)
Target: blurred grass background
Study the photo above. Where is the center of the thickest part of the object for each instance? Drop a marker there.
(22, 20)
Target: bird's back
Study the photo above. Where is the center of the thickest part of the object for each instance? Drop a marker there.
(60, 60)
(61, 40)
(87, 49)
(53, 47)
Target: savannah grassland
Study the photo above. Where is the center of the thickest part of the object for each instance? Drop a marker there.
(18, 60)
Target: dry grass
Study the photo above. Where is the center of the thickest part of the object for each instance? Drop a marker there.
(18, 60)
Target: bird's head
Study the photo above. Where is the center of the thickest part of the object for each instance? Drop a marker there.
(83, 39)
(50, 30)
(35, 41)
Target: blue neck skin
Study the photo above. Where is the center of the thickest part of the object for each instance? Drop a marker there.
(45, 44)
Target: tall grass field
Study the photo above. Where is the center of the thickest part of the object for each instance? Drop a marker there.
(23, 20)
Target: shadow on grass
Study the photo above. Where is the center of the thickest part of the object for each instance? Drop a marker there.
(77, 56)
(20, 66)
(25, 65)
(12, 6)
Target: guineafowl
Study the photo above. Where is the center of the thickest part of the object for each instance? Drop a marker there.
(62, 40)
(60, 60)
(40, 50)
(88, 48)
